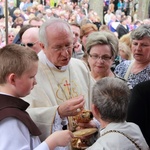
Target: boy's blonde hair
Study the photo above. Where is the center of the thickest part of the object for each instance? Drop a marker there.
(15, 59)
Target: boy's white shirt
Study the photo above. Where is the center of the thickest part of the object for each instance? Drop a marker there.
(10, 128)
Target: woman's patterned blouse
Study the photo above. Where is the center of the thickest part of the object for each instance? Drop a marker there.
(133, 79)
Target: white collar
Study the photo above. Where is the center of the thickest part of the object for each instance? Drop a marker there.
(46, 61)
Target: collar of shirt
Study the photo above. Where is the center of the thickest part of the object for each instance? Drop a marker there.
(50, 64)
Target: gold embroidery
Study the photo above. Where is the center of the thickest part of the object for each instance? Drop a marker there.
(66, 88)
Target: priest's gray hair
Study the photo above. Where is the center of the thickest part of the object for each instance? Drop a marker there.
(111, 96)
(103, 38)
(56, 23)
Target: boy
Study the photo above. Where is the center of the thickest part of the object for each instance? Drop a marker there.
(18, 67)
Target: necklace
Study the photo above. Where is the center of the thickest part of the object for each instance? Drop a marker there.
(129, 138)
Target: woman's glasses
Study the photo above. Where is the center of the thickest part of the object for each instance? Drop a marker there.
(28, 44)
(97, 57)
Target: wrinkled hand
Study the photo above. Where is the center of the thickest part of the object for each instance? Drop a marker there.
(59, 138)
(69, 107)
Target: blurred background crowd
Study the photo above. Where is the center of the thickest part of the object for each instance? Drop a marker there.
(20, 13)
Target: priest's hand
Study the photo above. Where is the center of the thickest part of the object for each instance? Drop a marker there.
(71, 107)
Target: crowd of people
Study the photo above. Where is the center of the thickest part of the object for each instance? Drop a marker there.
(116, 15)
(63, 60)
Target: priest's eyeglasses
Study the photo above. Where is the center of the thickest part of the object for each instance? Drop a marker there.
(28, 44)
(97, 57)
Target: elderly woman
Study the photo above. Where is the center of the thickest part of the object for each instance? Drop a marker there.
(102, 47)
(110, 103)
(11, 35)
(137, 70)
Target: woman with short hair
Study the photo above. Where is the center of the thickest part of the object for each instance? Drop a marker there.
(137, 70)
(102, 48)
